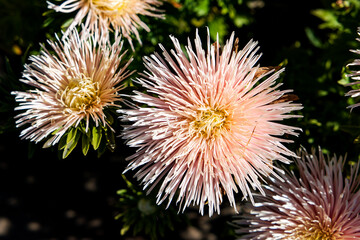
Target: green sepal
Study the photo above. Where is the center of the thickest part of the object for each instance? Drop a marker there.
(110, 139)
(96, 137)
(82, 127)
(71, 141)
(85, 143)
(62, 142)
(56, 131)
(102, 148)
(31, 150)
(109, 118)
(71, 135)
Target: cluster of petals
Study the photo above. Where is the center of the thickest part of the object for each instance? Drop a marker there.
(122, 15)
(320, 203)
(211, 126)
(73, 82)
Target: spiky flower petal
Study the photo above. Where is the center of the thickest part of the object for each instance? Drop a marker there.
(122, 15)
(354, 75)
(213, 126)
(73, 85)
(321, 204)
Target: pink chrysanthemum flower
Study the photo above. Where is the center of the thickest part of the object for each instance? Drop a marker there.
(74, 84)
(355, 75)
(321, 204)
(212, 129)
(123, 15)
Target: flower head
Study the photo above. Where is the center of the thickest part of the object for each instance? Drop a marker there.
(355, 75)
(213, 126)
(73, 86)
(123, 15)
(321, 204)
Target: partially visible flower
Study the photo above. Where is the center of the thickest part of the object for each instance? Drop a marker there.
(355, 75)
(320, 204)
(123, 15)
(213, 127)
(73, 87)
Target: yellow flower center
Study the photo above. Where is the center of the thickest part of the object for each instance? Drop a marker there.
(81, 94)
(316, 232)
(209, 122)
(118, 6)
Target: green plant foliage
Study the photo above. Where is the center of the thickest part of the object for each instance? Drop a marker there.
(99, 137)
(140, 214)
(7, 101)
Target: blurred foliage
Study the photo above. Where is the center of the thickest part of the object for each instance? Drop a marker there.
(311, 38)
(140, 214)
(7, 102)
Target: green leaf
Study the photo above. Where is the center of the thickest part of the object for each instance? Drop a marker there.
(121, 191)
(117, 217)
(202, 8)
(47, 22)
(312, 38)
(218, 25)
(241, 20)
(96, 137)
(47, 12)
(128, 183)
(315, 122)
(26, 54)
(329, 17)
(67, 23)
